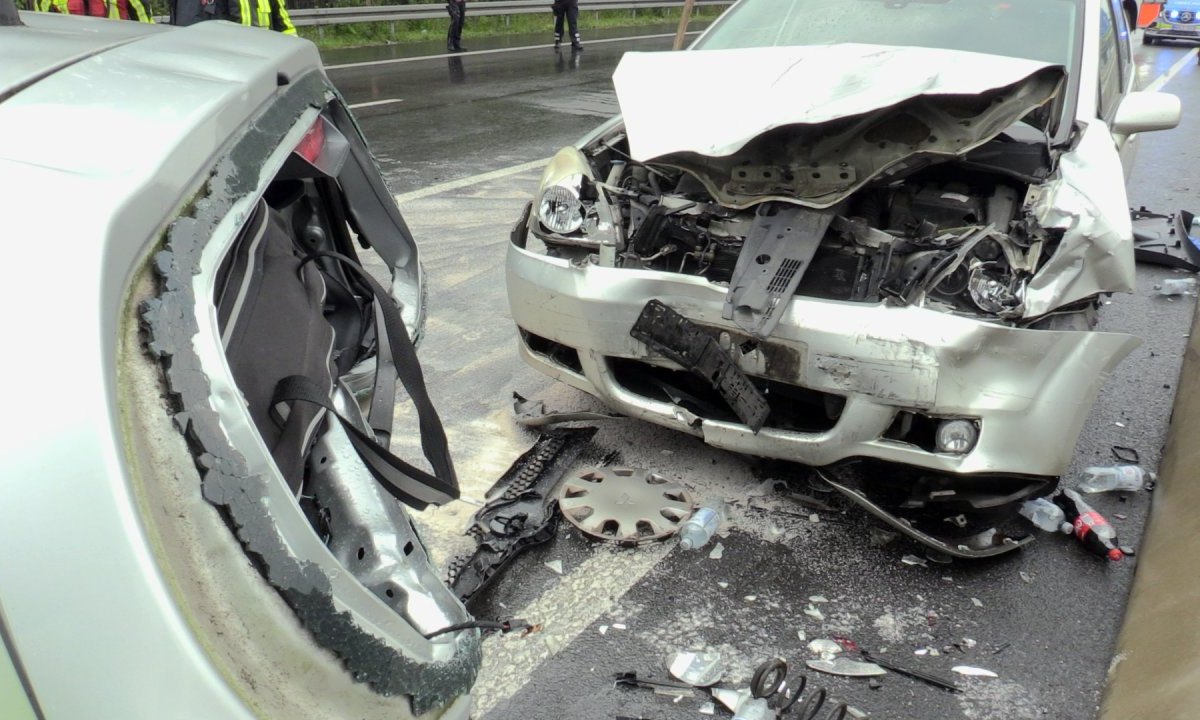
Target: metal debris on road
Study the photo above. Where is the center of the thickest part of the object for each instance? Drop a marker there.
(914, 560)
(624, 505)
(845, 667)
(698, 669)
(824, 647)
(973, 671)
(915, 674)
(532, 413)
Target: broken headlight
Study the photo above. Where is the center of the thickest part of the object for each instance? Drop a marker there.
(992, 290)
(560, 209)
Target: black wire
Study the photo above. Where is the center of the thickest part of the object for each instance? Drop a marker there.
(505, 627)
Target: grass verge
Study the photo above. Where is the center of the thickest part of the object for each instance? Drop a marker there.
(382, 33)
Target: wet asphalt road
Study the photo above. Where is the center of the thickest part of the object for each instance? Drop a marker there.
(1044, 619)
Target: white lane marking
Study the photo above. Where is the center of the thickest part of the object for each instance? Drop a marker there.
(468, 181)
(374, 103)
(568, 608)
(1165, 78)
(372, 63)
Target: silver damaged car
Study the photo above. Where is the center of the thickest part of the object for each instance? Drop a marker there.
(854, 240)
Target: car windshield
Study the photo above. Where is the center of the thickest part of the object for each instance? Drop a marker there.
(1042, 30)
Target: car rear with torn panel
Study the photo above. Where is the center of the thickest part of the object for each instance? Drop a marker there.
(218, 546)
(878, 259)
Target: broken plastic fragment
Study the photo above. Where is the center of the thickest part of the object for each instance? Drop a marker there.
(717, 552)
(696, 669)
(846, 667)
(976, 602)
(801, 634)
(825, 648)
(814, 613)
(708, 708)
(722, 583)
(555, 565)
(814, 518)
(968, 643)
(750, 598)
(603, 629)
(1026, 576)
(973, 671)
(818, 599)
(730, 698)
(914, 560)
(618, 626)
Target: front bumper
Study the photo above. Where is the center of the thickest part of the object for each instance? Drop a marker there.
(1162, 30)
(1030, 390)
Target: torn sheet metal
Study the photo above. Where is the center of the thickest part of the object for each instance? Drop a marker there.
(906, 103)
(1088, 203)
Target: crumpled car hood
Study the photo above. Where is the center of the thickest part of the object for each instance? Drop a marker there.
(812, 124)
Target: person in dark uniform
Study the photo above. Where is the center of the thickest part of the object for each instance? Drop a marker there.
(458, 17)
(568, 9)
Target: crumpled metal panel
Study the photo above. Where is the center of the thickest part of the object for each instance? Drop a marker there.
(1086, 200)
(867, 111)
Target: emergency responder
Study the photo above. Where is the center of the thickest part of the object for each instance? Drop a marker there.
(458, 18)
(111, 9)
(568, 9)
(271, 14)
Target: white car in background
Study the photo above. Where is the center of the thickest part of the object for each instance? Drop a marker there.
(865, 236)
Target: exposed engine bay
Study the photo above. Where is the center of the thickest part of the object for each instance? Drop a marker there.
(956, 236)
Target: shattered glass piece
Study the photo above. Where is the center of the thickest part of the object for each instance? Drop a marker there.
(708, 708)
(914, 560)
(1026, 576)
(973, 671)
(825, 648)
(603, 629)
(730, 698)
(555, 565)
(814, 613)
(977, 602)
(717, 552)
(814, 518)
(818, 599)
(801, 635)
(698, 669)
(846, 667)
(921, 651)
(856, 714)
(968, 643)
(750, 598)
(723, 584)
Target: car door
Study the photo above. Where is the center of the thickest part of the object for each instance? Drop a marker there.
(1116, 73)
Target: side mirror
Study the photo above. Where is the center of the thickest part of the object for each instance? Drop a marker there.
(1145, 112)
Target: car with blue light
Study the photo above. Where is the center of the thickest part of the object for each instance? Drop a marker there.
(1178, 20)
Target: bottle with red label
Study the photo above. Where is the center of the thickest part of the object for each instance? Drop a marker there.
(1089, 526)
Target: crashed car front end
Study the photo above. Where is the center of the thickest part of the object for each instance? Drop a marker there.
(910, 277)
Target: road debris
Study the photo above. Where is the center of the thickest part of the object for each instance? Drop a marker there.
(603, 629)
(627, 506)
(717, 553)
(769, 683)
(814, 613)
(818, 599)
(1123, 478)
(722, 584)
(1096, 534)
(801, 635)
(708, 708)
(619, 626)
(520, 512)
(914, 674)
(814, 518)
(914, 560)
(845, 667)
(698, 529)
(698, 669)
(1127, 455)
(660, 687)
(555, 565)
(532, 413)
(977, 602)
(1044, 515)
(825, 648)
(1026, 577)
(973, 671)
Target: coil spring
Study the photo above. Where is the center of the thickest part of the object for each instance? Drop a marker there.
(770, 683)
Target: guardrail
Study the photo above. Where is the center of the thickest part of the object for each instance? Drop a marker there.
(432, 11)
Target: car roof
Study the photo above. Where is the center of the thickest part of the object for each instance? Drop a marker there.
(48, 42)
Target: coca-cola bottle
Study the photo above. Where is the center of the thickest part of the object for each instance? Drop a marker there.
(1089, 526)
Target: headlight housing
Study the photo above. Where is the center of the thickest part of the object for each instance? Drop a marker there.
(560, 209)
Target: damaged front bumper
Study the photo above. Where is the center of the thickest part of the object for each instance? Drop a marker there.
(874, 374)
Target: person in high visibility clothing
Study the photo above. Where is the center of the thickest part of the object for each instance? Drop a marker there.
(111, 9)
(566, 10)
(270, 14)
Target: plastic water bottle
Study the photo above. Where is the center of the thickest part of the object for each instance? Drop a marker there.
(1089, 526)
(696, 531)
(1045, 515)
(1176, 286)
(1126, 478)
